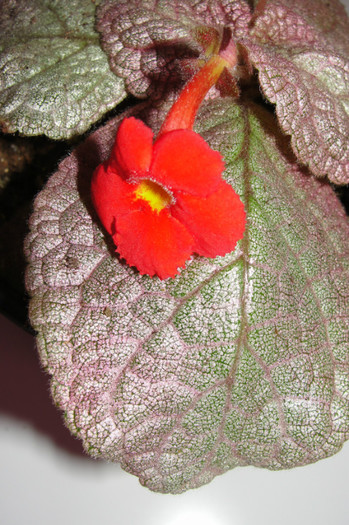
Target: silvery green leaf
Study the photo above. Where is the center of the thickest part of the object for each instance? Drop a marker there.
(54, 77)
(241, 360)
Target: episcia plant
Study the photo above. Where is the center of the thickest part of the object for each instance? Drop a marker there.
(188, 262)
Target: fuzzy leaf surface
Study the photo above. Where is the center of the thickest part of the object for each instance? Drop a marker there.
(152, 44)
(241, 360)
(301, 49)
(54, 77)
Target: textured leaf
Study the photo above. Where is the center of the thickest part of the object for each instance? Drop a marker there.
(303, 22)
(301, 50)
(146, 41)
(239, 360)
(54, 77)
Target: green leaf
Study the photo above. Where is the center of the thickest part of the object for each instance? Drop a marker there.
(241, 360)
(54, 77)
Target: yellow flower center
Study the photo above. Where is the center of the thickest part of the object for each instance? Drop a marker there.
(154, 194)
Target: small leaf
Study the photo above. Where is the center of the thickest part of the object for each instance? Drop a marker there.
(152, 44)
(301, 49)
(54, 77)
(241, 360)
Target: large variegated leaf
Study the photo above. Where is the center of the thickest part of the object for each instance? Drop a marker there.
(301, 49)
(241, 360)
(150, 44)
(54, 77)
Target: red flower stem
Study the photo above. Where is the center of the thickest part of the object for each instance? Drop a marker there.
(183, 112)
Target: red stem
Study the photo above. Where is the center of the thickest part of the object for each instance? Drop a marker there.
(183, 112)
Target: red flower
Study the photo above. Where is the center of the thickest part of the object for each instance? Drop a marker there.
(162, 202)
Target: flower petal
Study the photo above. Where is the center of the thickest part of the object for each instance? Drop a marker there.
(216, 223)
(110, 195)
(132, 151)
(156, 243)
(183, 161)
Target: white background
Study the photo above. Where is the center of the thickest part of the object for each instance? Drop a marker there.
(46, 479)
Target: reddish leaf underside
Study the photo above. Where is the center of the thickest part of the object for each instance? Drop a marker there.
(239, 360)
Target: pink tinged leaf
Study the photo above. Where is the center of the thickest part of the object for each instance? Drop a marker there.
(148, 44)
(306, 75)
(316, 119)
(302, 22)
(239, 360)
